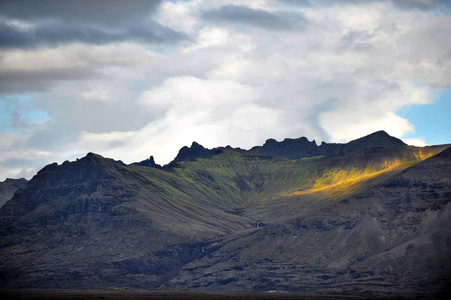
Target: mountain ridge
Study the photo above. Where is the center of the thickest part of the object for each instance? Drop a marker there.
(289, 148)
(234, 221)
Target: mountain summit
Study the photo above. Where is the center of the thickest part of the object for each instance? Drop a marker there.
(371, 219)
(296, 148)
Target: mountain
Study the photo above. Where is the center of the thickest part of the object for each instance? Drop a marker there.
(150, 162)
(370, 221)
(194, 152)
(389, 240)
(296, 148)
(9, 187)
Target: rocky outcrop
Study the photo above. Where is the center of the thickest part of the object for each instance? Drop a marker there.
(9, 187)
(150, 162)
(194, 152)
(288, 148)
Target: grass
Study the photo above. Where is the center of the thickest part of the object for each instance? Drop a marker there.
(231, 191)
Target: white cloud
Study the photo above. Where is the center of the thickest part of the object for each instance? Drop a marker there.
(178, 15)
(188, 94)
(211, 112)
(415, 142)
(391, 123)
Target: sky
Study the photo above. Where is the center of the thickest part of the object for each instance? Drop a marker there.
(131, 79)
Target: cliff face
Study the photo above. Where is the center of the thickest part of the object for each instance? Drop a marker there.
(9, 187)
(372, 222)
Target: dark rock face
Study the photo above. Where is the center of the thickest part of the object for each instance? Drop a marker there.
(288, 148)
(150, 162)
(299, 148)
(9, 187)
(194, 152)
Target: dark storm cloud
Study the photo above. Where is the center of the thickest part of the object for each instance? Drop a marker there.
(21, 81)
(92, 22)
(257, 17)
(55, 33)
(109, 12)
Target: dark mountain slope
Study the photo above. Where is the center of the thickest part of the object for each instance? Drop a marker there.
(390, 240)
(9, 187)
(95, 223)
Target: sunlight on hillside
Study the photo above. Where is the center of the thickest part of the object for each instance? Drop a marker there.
(337, 183)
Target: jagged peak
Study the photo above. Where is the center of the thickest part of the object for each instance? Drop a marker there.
(150, 162)
(196, 145)
(92, 154)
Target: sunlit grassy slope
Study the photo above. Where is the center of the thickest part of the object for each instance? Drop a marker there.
(242, 189)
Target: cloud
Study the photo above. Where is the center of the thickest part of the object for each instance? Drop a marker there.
(111, 12)
(391, 123)
(59, 32)
(415, 142)
(52, 23)
(295, 2)
(21, 81)
(257, 17)
(211, 112)
(423, 5)
(24, 71)
(418, 4)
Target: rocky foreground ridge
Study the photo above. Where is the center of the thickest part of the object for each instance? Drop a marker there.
(367, 218)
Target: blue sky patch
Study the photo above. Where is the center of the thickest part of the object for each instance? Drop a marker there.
(432, 122)
(17, 109)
